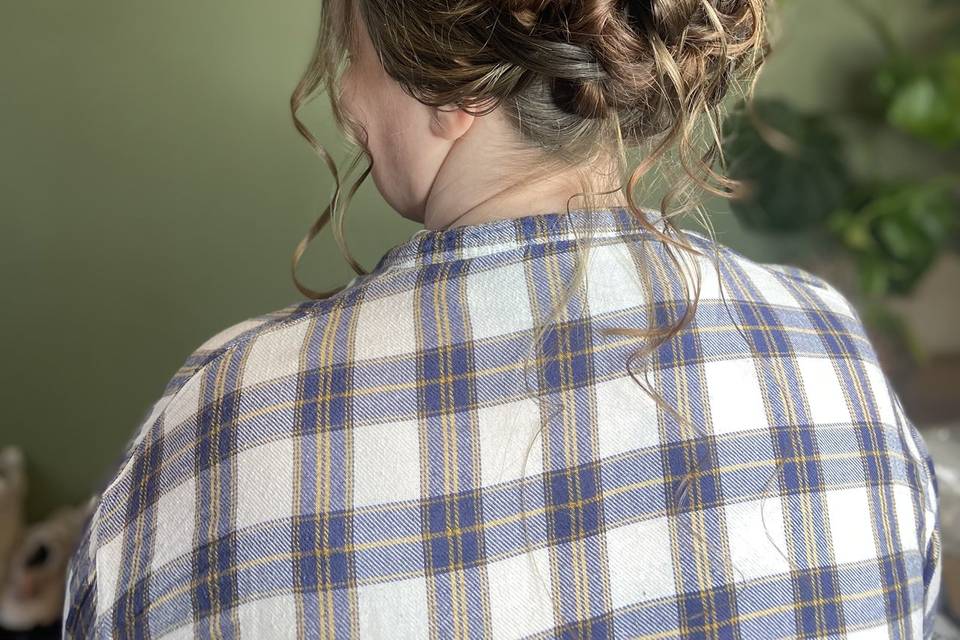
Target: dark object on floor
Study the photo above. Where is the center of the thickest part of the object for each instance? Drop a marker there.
(51, 631)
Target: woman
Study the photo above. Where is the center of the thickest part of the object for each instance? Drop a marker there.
(536, 417)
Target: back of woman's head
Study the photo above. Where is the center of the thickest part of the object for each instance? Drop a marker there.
(568, 69)
(583, 82)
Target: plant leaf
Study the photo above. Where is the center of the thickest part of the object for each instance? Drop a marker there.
(793, 186)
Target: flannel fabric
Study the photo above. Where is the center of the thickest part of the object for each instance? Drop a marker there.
(382, 464)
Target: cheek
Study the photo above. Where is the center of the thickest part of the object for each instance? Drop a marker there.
(396, 127)
(398, 138)
(367, 115)
(404, 166)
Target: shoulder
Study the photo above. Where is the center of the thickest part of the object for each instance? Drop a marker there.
(260, 355)
(183, 433)
(234, 336)
(258, 350)
(260, 341)
(211, 350)
(780, 285)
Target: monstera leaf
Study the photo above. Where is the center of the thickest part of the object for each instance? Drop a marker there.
(897, 234)
(791, 164)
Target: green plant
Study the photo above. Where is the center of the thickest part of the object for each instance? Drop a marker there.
(797, 179)
(791, 163)
(897, 233)
(922, 96)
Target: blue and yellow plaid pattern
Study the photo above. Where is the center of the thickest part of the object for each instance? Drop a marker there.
(375, 464)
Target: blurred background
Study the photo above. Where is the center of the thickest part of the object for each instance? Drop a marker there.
(153, 188)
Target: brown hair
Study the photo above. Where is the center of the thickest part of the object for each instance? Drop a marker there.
(582, 80)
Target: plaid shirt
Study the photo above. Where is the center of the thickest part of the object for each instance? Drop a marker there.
(375, 465)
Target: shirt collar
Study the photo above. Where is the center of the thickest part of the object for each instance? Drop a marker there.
(427, 246)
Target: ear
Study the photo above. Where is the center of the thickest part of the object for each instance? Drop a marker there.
(450, 123)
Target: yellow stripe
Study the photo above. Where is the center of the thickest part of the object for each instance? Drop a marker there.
(297, 489)
(442, 381)
(424, 461)
(322, 480)
(214, 618)
(577, 550)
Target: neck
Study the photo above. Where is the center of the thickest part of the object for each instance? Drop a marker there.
(467, 192)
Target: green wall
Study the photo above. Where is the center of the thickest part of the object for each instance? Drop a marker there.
(152, 189)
